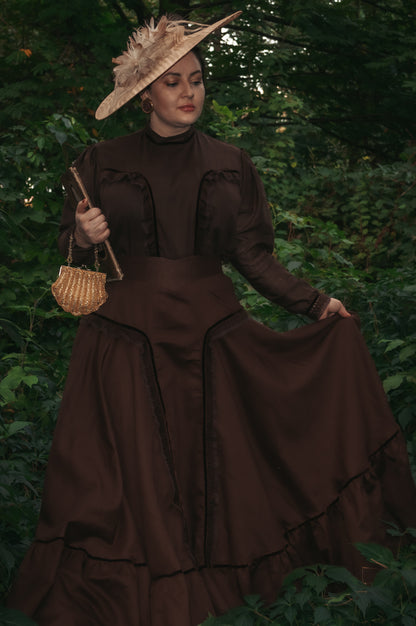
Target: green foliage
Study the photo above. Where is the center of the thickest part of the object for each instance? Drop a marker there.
(225, 123)
(8, 617)
(327, 594)
(35, 338)
(349, 64)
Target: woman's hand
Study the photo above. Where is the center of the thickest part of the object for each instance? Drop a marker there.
(335, 306)
(91, 225)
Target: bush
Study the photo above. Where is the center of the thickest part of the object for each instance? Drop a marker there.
(326, 594)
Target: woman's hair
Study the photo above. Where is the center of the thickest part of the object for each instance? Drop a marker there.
(197, 52)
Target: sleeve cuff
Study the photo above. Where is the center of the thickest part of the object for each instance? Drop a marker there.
(318, 306)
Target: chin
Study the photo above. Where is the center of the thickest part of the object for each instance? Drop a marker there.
(190, 117)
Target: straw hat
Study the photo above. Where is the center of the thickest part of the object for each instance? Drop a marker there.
(151, 51)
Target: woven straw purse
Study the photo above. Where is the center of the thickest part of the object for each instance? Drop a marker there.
(77, 290)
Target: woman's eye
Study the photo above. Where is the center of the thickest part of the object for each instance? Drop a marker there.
(171, 84)
(197, 82)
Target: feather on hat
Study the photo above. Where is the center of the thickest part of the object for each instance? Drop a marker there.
(151, 51)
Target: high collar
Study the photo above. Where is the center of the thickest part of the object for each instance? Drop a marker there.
(182, 138)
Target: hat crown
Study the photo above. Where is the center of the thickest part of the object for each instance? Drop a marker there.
(148, 45)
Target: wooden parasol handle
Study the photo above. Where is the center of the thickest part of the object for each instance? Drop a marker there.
(107, 244)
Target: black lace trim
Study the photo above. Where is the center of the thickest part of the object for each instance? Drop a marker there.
(211, 463)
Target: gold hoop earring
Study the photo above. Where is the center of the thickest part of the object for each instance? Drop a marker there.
(147, 105)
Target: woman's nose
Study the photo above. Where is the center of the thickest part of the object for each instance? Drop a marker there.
(188, 91)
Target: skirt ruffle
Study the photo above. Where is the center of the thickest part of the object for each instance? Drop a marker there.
(75, 588)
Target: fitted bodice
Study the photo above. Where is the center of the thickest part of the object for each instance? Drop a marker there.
(182, 196)
(171, 197)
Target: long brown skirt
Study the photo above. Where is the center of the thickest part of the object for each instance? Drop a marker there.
(200, 456)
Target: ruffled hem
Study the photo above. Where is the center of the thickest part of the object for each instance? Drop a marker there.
(65, 585)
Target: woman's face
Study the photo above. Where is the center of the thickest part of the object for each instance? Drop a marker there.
(178, 97)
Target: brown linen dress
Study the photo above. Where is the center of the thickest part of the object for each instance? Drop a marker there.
(198, 455)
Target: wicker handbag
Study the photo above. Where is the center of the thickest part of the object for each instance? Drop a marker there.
(77, 290)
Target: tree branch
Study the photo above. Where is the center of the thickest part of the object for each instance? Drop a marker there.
(208, 5)
(117, 8)
(253, 31)
(384, 9)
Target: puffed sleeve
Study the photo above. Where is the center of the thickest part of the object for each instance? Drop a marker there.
(253, 256)
(86, 166)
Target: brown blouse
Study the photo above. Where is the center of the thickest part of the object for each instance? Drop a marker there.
(187, 195)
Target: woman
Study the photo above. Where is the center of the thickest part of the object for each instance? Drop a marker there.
(199, 456)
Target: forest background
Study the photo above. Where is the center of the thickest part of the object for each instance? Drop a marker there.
(320, 93)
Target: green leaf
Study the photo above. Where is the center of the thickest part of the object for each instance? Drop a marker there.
(405, 417)
(392, 345)
(303, 597)
(321, 615)
(290, 614)
(393, 382)
(409, 574)
(294, 265)
(7, 559)
(244, 620)
(15, 377)
(407, 353)
(316, 582)
(362, 600)
(381, 597)
(253, 601)
(342, 575)
(7, 430)
(294, 576)
(10, 617)
(375, 552)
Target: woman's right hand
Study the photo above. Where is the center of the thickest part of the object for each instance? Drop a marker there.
(90, 225)
(335, 307)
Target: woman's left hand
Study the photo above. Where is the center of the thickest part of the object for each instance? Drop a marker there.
(335, 306)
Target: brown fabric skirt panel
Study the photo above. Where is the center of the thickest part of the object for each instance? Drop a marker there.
(110, 485)
(296, 417)
(174, 303)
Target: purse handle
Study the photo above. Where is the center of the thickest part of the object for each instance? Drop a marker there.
(69, 257)
(107, 244)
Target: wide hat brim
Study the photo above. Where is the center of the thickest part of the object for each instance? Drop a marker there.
(120, 95)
